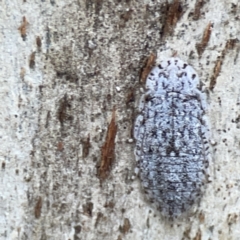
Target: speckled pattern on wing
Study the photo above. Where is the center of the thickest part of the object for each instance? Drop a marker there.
(170, 138)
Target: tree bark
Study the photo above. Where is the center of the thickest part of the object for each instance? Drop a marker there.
(68, 67)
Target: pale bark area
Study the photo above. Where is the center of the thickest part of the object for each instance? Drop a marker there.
(90, 60)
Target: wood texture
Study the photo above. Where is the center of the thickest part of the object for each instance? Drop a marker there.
(89, 60)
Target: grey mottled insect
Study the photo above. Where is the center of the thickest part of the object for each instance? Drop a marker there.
(171, 142)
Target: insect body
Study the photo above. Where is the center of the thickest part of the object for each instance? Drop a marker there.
(170, 138)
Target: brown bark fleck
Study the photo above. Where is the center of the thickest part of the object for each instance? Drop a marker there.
(148, 66)
(174, 13)
(205, 39)
(197, 11)
(64, 105)
(23, 28)
(125, 227)
(86, 145)
(39, 43)
(3, 165)
(216, 72)
(32, 60)
(130, 96)
(108, 149)
(60, 146)
(38, 208)
(88, 208)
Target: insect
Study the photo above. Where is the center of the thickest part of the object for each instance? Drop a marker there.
(171, 138)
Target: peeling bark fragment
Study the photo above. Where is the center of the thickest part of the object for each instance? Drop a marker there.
(205, 39)
(23, 28)
(108, 149)
(38, 208)
(174, 13)
(216, 72)
(148, 67)
(197, 11)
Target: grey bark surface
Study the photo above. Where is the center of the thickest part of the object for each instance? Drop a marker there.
(64, 66)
